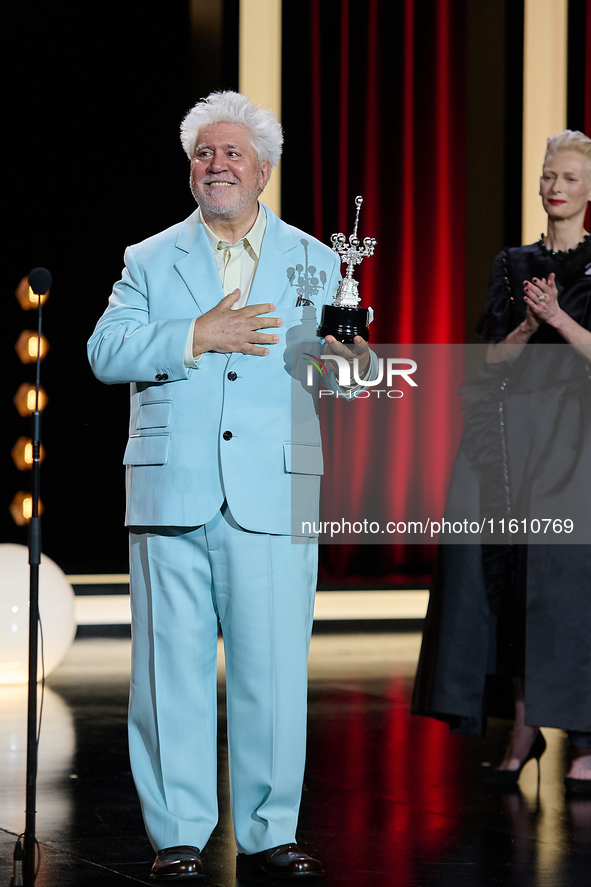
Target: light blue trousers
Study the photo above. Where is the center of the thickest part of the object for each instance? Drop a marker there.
(261, 588)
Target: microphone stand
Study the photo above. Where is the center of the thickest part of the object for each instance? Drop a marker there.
(39, 281)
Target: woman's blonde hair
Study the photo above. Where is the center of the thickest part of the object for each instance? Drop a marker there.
(570, 140)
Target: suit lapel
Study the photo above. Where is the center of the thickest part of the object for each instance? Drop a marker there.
(197, 266)
(271, 281)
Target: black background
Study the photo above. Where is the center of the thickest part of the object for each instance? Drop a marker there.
(92, 102)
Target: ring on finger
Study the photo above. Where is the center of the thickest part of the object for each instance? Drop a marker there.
(541, 298)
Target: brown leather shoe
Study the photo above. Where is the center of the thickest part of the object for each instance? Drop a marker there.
(285, 861)
(177, 864)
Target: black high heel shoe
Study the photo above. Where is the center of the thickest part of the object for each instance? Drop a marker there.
(506, 778)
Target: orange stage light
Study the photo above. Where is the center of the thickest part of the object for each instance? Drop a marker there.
(26, 346)
(27, 298)
(24, 399)
(21, 508)
(22, 453)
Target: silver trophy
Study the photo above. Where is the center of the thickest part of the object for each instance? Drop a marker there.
(344, 319)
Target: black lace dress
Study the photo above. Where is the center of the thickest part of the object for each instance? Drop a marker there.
(514, 609)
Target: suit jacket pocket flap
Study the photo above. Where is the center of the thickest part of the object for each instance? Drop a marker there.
(154, 415)
(150, 449)
(303, 458)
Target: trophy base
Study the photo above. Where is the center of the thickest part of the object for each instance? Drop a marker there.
(344, 323)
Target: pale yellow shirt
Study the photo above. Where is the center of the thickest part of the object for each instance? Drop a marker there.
(236, 264)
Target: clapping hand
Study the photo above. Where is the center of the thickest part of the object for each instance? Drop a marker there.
(541, 299)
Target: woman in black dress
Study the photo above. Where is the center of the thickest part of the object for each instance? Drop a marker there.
(508, 630)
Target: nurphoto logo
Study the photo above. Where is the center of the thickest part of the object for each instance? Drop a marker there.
(390, 370)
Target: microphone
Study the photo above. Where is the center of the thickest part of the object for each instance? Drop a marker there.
(39, 281)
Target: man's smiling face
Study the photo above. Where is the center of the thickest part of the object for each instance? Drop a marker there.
(226, 175)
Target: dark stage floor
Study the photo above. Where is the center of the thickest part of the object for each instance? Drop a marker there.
(389, 799)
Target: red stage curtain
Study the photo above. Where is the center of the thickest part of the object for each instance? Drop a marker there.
(374, 104)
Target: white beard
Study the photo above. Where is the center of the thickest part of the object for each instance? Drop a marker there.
(243, 200)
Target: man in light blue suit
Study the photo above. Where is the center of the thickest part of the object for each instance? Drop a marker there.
(223, 464)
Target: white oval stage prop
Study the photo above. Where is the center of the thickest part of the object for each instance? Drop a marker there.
(56, 607)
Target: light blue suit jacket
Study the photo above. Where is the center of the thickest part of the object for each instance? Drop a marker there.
(180, 465)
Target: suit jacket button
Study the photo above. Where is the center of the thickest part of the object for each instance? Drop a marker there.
(227, 435)
(161, 377)
(232, 376)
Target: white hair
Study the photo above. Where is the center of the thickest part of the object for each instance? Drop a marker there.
(266, 135)
(569, 140)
